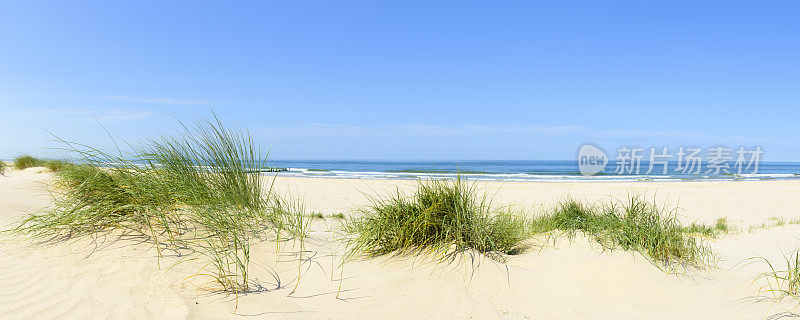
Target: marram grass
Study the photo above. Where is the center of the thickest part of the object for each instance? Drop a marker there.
(442, 216)
(719, 227)
(337, 216)
(195, 189)
(450, 216)
(635, 225)
(780, 282)
(55, 165)
(24, 162)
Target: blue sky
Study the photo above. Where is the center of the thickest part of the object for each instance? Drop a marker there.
(407, 80)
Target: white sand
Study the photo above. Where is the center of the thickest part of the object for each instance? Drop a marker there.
(117, 277)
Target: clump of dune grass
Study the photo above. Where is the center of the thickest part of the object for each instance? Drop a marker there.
(446, 216)
(24, 162)
(317, 215)
(642, 226)
(197, 189)
(337, 216)
(2, 167)
(773, 222)
(442, 216)
(701, 229)
(781, 282)
(55, 165)
(631, 225)
(720, 226)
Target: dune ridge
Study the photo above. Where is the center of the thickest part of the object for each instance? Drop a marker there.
(120, 278)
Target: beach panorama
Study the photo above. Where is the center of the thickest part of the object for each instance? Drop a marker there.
(399, 160)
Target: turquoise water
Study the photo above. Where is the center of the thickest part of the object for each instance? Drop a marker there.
(520, 170)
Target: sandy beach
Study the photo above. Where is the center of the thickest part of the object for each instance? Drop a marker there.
(120, 276)
(399, 160)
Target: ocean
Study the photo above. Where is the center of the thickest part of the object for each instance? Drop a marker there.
(522, 170)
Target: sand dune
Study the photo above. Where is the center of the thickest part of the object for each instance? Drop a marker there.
(118, 276)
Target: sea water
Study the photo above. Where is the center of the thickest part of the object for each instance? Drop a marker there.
(521, 170)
